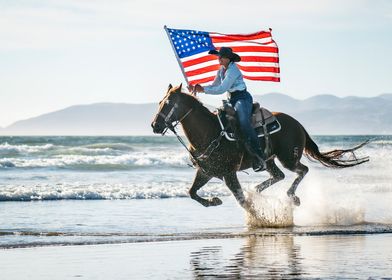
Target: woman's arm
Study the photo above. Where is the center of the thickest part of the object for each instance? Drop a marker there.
(231, 75)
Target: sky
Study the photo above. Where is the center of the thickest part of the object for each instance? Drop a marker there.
(59, 53)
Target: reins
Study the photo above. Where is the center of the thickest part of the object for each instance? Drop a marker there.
(207, 152)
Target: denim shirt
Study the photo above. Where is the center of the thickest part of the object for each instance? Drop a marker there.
(232, 80)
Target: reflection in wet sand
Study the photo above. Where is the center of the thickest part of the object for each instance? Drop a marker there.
(296, 257)
(270, 257)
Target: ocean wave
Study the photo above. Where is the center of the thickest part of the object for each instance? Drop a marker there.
(4, 163)
(100, 162)
(111, 146)
(105, 191)
(7, 149)
(381, 142)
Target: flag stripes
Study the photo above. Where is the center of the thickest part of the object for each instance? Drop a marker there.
(258, 51)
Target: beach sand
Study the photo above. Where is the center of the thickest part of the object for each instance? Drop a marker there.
(278, 256)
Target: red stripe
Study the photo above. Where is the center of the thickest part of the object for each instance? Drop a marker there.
(239, 37)
(202, 70)
(202, 81)
(259, 69)
(199, 60)
(254, 49)
(271, 79)
(259, 59)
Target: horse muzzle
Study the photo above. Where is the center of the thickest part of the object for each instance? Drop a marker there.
(157, 128)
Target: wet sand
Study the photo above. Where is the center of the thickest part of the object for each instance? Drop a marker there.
(278, 256)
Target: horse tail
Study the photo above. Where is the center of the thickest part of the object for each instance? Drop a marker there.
(334, 158)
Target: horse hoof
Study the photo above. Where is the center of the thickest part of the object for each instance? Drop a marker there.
(259, 189)
(215, 201)
(296, 200)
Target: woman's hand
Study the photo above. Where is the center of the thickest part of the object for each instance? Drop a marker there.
(198, 88)
(191, 88)
(195, 88)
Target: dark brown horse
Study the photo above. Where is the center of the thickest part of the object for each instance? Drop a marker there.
(214, 156)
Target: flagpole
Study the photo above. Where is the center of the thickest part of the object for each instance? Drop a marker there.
(176, 54)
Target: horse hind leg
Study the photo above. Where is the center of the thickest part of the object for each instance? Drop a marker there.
(276, 176)
(301, 170)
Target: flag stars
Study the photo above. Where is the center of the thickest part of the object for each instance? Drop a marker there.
(189, 42)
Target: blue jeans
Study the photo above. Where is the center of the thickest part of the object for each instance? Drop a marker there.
(242, 102)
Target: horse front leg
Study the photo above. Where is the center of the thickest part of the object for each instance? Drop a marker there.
(234, 185)
(200, 180)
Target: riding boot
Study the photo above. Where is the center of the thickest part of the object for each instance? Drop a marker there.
(259, 163)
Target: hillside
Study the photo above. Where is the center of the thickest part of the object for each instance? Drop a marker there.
(322, 114)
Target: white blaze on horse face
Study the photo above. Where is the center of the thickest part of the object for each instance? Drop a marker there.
(163, 102)
(167, 107)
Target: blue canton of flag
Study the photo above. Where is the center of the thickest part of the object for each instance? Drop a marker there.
(190, 42)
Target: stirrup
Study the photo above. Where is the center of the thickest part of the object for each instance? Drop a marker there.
(259, 165)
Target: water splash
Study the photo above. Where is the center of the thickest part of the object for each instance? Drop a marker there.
(268, 210)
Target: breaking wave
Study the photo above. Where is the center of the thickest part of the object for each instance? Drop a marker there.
(101, 191)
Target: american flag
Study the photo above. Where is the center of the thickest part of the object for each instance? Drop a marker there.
(258, 51)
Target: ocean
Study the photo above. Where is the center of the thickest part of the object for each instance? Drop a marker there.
(61, 191)
(50, 187)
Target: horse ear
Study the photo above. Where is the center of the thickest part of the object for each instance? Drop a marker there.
(180, 87)
(169, 87)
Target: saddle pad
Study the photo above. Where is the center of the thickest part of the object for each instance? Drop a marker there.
(260, 113)
(272, 126)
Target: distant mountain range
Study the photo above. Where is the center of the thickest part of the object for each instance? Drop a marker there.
(322, 114)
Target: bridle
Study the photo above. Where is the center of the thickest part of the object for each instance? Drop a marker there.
(167, 119)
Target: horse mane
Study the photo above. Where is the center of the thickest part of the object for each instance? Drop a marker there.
(193, 102)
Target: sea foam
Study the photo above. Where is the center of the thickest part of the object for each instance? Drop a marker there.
(101, 191)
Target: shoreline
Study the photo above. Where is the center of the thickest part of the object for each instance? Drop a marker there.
(270, 257)
(364, 229)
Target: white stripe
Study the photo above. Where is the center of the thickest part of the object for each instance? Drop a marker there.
(258, 42)
(201, 65)
(258, 54)
(199, 55)
(202, 76)
(259, 64)
(239, 36)
(260, 74)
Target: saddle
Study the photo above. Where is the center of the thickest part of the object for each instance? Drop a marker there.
(263, 121)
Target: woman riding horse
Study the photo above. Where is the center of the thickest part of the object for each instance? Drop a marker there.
(230, 79)
(214, 156)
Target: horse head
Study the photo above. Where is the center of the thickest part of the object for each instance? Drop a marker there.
(171, 109)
